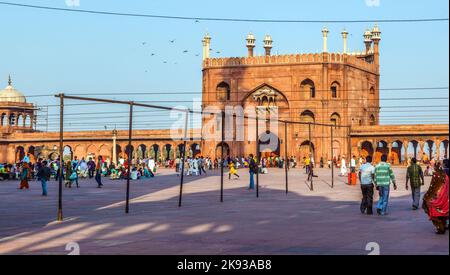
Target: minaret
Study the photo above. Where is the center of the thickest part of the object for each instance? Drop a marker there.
(376, 37)
(344, 39)
(367, 40)
(268, 44)
(325, 35)
(250, 44)
(206, 46)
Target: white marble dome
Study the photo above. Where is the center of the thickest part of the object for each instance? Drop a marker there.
(10, 94)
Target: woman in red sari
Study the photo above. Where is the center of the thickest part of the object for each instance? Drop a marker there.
(435, 201)
(24, 176)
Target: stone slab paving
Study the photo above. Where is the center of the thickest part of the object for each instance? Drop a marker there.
(324, 221)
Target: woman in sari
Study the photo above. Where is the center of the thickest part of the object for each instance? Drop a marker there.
(435, 201)
(24, 176)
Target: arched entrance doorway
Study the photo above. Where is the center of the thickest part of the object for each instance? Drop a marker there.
(195, 150)
(129, 151)
(396, 156)
(142, 152)
(226, 150)
(429, 151)
(443, 149)
(306, 149)
(382, 149)
(67, 153)
(413, 149)
(167, 152)
(269, 145)
(154, 152)
(20, 153)
(366, 149)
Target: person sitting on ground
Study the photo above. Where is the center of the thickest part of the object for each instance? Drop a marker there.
(134, 174)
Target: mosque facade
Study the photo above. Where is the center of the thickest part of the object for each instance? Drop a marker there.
(331, 99)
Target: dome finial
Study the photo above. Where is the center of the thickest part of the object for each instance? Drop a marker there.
(9, 80)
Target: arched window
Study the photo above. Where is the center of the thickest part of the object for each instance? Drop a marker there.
(223, 91)
(372, 120)
(307, 88)
(12, 119)
(28, 121)
(335, 119)
(3, 121)
(20, 120)
(372, 90)
(335, 89)
(307, 116)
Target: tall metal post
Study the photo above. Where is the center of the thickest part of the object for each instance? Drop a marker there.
(183, 156)
(257, 154)
(349, 141)
(310, 156)
(222, 139)
(130, 154)
(332, 158)
(286, 161)
(61, 152)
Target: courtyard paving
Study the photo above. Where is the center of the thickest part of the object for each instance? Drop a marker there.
(324, 221)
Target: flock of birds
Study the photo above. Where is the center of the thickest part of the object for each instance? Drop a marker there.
(172, 41)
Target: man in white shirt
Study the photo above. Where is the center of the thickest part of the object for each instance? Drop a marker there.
(353, 164)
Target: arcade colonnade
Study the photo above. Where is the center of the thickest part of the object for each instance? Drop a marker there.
(400, 150)
(160, 150)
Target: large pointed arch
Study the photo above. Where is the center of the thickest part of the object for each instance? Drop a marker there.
(267, 86)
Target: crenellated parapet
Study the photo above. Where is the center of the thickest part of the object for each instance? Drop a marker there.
(352, 59)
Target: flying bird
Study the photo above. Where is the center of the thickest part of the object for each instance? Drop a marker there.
(143, 43)
(185, 51)
(196, 21)
(165, 62)
(197, 55)
(172, 41)
(152, 54)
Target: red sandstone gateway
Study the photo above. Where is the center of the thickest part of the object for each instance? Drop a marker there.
(339, 88)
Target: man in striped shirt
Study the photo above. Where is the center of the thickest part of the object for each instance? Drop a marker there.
(383, 178)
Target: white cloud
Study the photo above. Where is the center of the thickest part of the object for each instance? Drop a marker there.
(373, 3)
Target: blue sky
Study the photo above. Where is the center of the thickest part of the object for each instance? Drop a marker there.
(49, 51)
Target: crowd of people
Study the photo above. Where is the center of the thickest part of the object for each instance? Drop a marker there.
(380, 176)
(435, 202)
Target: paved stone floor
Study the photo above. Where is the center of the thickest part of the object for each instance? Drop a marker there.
(323, 221)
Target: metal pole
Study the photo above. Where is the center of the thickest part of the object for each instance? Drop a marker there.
(183, 157)
(257, 154)
(310, 156)
(286, 161)
(349, 141)
(332, 158)
(221, 155)
(130, 154)
(61, 152)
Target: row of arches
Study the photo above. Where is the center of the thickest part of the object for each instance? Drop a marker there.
(156, 151)
(308, 116)
(307, 90)
(399, 152)
(15, 120)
